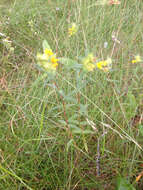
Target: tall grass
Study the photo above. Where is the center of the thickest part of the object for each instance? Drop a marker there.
(76, 137)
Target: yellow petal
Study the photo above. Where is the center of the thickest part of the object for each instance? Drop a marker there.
(134, 61)
(54, 59)
(72, 30)
(100, 64)
(137, 59)
(48, 52)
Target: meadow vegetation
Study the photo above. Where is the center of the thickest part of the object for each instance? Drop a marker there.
(77, 125)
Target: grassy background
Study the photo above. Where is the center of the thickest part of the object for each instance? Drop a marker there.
(37, 148)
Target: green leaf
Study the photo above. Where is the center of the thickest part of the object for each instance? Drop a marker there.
(72, 121)
(85, 143)
(69, 98)
(61, 92)
(63, 122)
(41, 58)
(39, 79)
(69, 63)
(130, 105)
(80, 131)
(83, 109)
(77, 130)
(123, 184)
(45, 45)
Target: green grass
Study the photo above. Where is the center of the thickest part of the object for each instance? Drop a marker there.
(39, 150)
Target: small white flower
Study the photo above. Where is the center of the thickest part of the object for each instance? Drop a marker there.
(114, 38)
(105, 44)
(57, 8)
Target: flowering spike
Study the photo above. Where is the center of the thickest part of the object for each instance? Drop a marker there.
(47, 60)
(137, 59)
(48, 52)
(104, 65)
(72, 30)
(88, 62)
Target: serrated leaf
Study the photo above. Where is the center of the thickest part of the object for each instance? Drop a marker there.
(45, 45)
(123, 184)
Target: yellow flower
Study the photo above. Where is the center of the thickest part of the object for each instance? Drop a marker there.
(104, 65)
(101, 64)
(88, 62)
(89, 67)
(88, 59)
(47, 61)
(55, 65)
(48, 66)
(137, 59)
(72, 30)
(48, 52)
(54, 59)
(54, 62)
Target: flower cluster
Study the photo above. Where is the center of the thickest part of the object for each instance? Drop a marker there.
(137, 59)
(104, 65)
(72, 30)
(47, 60)
(89, 63)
